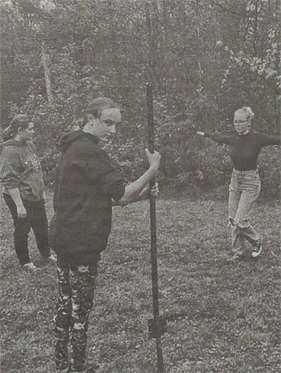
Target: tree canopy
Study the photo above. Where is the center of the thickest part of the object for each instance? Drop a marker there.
(205, 58)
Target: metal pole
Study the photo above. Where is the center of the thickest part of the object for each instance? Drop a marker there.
(157, 324)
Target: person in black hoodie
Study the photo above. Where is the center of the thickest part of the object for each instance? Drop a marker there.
(22, 178)
(87, 182)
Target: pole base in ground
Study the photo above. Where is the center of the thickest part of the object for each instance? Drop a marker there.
(157, 327)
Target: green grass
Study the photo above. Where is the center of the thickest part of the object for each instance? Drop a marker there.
(223, 317)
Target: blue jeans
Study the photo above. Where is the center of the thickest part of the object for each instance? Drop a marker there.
(244, 189)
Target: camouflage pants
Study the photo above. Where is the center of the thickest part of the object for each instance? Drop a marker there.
(76, 286)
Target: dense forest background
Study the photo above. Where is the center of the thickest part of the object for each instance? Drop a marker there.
(205, 58)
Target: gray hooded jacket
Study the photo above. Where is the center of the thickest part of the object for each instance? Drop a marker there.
(20, 168)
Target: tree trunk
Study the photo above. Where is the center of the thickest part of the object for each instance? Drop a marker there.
(45, 61)
(277, 96)
(165, 22)
(198, 45)
(256, 27)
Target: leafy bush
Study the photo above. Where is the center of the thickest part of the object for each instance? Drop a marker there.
(270, 172)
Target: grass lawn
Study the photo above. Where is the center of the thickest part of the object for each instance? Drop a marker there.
(223, 317)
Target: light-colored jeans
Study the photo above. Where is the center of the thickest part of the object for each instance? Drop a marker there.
(244, 189)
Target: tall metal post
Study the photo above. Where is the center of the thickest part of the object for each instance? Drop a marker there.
(157, 324)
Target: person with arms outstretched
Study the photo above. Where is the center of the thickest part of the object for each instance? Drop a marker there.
(245, 185)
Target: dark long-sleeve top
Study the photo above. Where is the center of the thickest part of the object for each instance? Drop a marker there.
(245, 149)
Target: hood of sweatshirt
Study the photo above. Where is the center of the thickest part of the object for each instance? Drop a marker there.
(71, 137)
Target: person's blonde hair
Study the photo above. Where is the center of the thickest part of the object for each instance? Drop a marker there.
(99, 104)
(246, 112)
(96, 107)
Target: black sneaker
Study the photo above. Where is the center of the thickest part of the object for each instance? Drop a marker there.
(63, 370)
(92, 368)
(256, 251)
(51, 259)
(234, 257)
(237, 254)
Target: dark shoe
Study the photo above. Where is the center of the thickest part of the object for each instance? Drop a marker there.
(91, 368)
(235, 256)
(61, 357)
(64, 370)
(52, 259)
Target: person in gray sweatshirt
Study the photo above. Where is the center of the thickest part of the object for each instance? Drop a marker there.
(23, 190)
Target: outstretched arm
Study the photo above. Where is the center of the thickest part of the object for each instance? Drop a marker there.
(227, 140)
(135, 190)
(270, 140)
(143, 195)
(111, 182)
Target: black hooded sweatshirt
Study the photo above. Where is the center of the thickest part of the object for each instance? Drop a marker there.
(87, 181)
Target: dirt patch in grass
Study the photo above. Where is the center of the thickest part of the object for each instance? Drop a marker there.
(222, 317)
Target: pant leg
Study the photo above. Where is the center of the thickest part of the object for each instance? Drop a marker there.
(39, 224)
(22, 228)
(63, 316)
(248, 197)
(237, 240)
(83, 286)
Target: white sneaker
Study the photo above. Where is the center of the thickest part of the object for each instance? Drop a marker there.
(256, 251)
(52, 259)
(30, 267)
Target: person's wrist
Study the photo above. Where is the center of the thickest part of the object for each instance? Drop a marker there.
(201, 133)
(153, 167)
